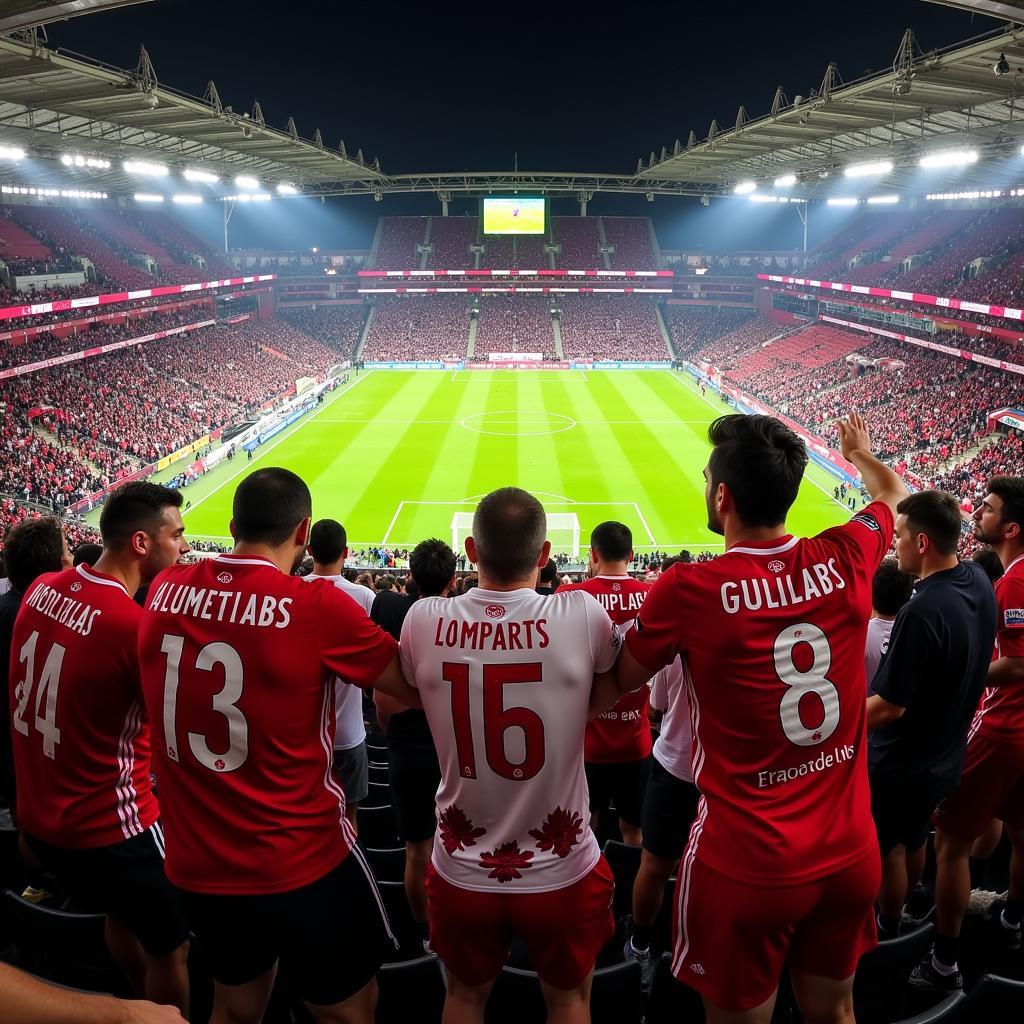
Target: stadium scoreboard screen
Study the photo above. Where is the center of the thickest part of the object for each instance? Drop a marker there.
(514, 215)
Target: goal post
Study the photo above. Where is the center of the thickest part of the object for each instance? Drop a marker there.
(563, 531)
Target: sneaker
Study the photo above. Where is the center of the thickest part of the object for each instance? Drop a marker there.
(926, 976)
(34, 895)
(646, 961)
(982, 899)
(996, 927)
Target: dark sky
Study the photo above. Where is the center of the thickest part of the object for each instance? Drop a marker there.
(451, 87)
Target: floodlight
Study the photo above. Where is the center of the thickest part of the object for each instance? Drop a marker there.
(11, 153)
(148, 197)
(144, 167)
(285, 189)
(760, 197)
(786, 181)
(744, 187)
(949, 158)
(186, 200)
(206, 177)
(883, 200)
(843, 201)
(862, 170)
(246, 181)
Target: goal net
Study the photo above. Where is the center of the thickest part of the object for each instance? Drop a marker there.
(563, 531)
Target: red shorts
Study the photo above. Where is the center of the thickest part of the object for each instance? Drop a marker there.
(992, 786)
(732, 939)
(563, 930)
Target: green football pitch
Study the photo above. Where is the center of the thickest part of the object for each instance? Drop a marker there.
(394, 455)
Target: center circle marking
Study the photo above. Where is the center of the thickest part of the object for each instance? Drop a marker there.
(516, 423)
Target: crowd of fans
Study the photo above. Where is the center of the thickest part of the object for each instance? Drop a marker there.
(579, 242)
(514, 323)
(631, 238)
(48, 344)
(435, 327)
(693, 328)
(610, 327)
(337, 326)
(399, 237)
(450, 239)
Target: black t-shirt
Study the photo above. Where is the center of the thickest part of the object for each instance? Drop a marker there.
(9, 605)
(389, 611)
(938, 658)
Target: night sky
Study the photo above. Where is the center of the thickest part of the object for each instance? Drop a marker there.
(463, 87)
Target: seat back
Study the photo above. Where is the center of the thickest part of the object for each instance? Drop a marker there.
(944, 1012)
(880, 989)
(388, 865)
(624, 861)
(62, 946)
(993, 1000)
(411, 990)
(378, 827)
(378, 795)
(670, 1000)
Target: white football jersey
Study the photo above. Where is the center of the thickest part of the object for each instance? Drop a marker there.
(505, 679)
(349, 730)
(674, 744)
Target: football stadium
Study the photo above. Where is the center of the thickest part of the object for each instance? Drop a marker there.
(511, 593)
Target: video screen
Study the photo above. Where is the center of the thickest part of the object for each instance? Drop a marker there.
(514, 215)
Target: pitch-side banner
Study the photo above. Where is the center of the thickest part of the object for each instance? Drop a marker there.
(515, 357)
(63, 305)
(1009, 312)
(959, 353)
(72, 357)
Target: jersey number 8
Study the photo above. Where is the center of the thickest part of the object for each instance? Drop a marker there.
(801, 682)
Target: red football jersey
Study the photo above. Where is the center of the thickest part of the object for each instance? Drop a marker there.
(238, 665)
(1001, 714)
(623, 732)
(773, 636)
(81, 743)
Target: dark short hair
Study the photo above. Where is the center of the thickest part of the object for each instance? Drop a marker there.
(88, 553)
(135, 506)
(268, 506)
(612, 541)
(327, 541)
(667, 563)
(890, 588)
(509, 528)
(761, 461)
(1011, 490)
(936, 514)
(548, 572)
(385, 583)
(33, 547)
(989, 561)
(432, 564)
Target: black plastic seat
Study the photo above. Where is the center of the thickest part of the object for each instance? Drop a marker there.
(377, 827)
(880, 990)
(670, 1001)
(944, 1012)
(64, 947)
(993, 1000)
(624, 860)
(388, 865)
(378, 795)
(412, 990)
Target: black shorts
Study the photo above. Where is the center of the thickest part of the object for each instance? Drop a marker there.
(352, 770)
(903, 809)
(670, 805)
(125, 881)
(621, 781)
(330, 936)
(414, 776)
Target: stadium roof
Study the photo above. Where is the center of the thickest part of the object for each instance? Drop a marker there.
(928, 101)
(22, 14)
(54, 102)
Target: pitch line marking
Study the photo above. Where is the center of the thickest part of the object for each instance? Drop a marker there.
(567, 424)
(394, 519)
(640, 515)
(269, 448)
